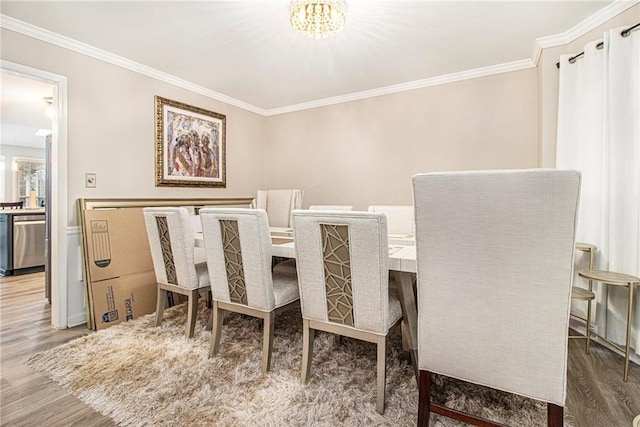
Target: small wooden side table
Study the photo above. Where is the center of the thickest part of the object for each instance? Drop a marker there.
(578, 293)
(616, 279)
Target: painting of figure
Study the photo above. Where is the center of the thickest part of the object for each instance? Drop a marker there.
(190, 145)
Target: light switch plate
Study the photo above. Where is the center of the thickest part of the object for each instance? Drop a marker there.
(90, 180)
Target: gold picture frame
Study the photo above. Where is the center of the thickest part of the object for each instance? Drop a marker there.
(190, 145)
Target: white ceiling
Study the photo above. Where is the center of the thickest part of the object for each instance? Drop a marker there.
(23, 110)
(247, 50)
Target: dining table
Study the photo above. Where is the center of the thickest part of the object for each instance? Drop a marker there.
(402, 266)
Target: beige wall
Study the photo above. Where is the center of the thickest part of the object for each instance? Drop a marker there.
(111, 127)
(364, 152)
(548, 77)
(360, 153)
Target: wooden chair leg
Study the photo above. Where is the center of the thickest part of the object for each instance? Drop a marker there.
(381, 376)
(209, 298)
(210, 321)
(337, 339)
(588, 331)
(216, 330)
(161, 302)
(192, 312)
(308, 336)
(555, 415)
(403, 333)
(267, 341)
(424, 399)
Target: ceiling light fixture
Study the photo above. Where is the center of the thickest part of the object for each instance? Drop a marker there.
(317, 18)
(49, 101)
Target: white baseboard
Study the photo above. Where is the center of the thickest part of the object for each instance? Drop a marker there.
(77, 320)
(76, 311)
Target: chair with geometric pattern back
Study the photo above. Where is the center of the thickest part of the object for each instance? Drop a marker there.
(288, 266)
(238, 251)
(343, 272)
(171, 239)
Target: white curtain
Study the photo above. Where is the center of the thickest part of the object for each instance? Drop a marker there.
(599, 135)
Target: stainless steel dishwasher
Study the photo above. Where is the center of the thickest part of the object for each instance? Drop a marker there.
(28, 241)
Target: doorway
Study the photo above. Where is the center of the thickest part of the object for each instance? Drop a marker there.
(27, 122)
(57, 173)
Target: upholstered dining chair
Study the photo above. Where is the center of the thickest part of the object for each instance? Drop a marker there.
(238, 251)
(343, 264)
(288, 266)
(278, 204)
(495, 264)
(399, 218)
(171, 240)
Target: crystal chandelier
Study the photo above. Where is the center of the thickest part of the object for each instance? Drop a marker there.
(317, 18)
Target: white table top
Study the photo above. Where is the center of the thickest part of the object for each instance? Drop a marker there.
(402, 250)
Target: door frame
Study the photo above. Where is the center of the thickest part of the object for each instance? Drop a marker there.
(58, 215)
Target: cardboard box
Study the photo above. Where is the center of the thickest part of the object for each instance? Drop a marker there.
(123, 298)
(117, 243)
(120, 280)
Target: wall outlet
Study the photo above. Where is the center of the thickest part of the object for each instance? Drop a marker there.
(90, 180)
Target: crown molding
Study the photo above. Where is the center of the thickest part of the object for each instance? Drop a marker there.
(30, 30)
(27, 29)
(536, 51)
(599, 18)
(403, 87)
(582, 28)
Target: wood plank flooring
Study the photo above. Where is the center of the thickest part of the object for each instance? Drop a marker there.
(28, 398)
(596, 394)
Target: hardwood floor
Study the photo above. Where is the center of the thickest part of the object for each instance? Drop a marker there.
(596, 394)
(26, 397)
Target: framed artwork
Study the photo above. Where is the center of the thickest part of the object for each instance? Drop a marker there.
(190, 146)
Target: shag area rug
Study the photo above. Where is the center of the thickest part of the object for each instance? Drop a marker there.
(140, 375)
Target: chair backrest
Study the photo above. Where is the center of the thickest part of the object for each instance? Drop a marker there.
(238, 251)
(278, 204)
(171, 239)
(330, 208)
(196, 224)
(399, 218)
(495, 264)
(342, 260)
